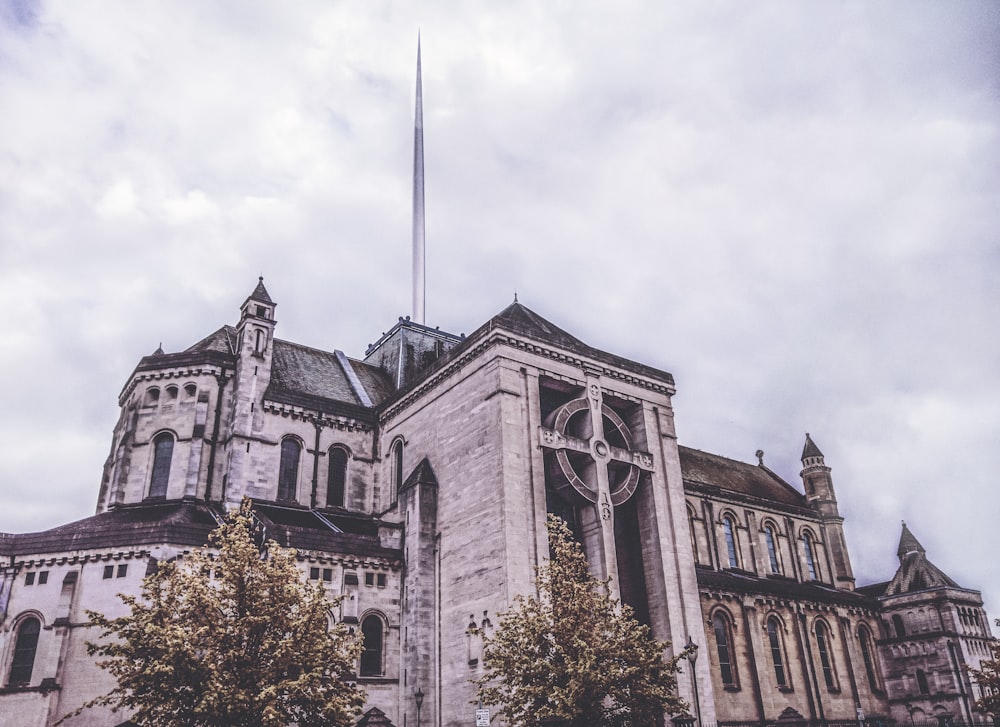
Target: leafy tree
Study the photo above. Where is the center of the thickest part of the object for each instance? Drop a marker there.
(231, 635)
(987, 676)
(574, 654)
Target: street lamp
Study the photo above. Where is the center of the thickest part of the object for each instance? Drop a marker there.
(911, 709)
(692, 656)
(418, 696)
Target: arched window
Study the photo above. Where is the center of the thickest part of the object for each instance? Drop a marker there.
(825, 657)
(336, 480)
(163, 451)
(777, 653)
(729, 530)
(288, 469)
(897, 625)
(24, 651)
(724, 646)
(865, 637)
(772, 549)
(371, 656)
(807, 546)
(397, 465)
(922, 682)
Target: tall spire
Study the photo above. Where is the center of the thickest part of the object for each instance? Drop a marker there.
(419, 296)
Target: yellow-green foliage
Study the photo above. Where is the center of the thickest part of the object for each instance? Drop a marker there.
(230, 636)
(574, 654)
(988, 679)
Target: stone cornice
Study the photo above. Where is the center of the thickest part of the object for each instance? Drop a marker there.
(460, 357)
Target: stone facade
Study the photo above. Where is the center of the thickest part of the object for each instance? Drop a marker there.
(416, 481)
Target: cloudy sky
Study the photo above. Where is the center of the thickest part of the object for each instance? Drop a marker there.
(793, 207)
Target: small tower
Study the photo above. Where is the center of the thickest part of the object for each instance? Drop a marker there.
(935, 630)
(821, 497)
(254, 352)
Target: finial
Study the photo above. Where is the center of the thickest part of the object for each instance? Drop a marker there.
(515, 295)
(260, 278)
(759, 454)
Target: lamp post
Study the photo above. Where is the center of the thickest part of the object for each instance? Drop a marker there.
(418, 696)
(692, 656)
(911, 709)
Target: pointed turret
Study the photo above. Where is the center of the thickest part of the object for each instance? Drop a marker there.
(811, 452)
(915, 572)
(254, 352)
(821, 496)
(419, 295)
(908, 544)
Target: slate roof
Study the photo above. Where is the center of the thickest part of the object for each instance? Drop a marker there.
(520, 319)
(310, 377)
(260, 292)
(712, 471)
(304, 529)
(915, 572)
(741, 582)
(300, 375)
(908, 543)
(222, 341)
(188, 523)
(175, 522)
(810, 449)
(374, 717)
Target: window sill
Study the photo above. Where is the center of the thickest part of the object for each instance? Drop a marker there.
(785, 690)
(47, 685)
(731, 687)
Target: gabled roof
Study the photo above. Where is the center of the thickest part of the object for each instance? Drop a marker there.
(915, 572)
(519, 319)
(374, 717)
(712, 470)
(422, 474)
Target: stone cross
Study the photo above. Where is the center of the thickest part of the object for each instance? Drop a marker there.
(605, 475)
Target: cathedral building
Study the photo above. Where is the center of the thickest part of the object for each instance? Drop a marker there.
(416, 481)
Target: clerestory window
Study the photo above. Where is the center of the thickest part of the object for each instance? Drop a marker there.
(336, 477)
(163, 452)
(772, 549)
(288, 468)
(25, 647)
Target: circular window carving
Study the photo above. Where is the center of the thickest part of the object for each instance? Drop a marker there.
(577, 451)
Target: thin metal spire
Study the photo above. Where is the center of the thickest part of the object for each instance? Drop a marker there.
(419, 293)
